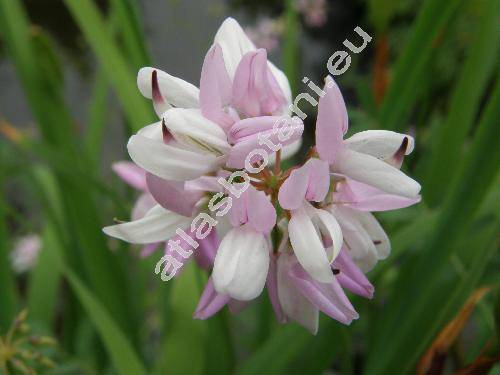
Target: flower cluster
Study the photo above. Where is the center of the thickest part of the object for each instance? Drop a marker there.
(305, 234)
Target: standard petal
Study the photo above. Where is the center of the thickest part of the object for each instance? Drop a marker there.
(372, 171)
(255, 89)
(188, 126)
(169, 162)
(252, 134)
(175, 91)
(241, 264)
(215, 88)
(310, 182)
(364, 197)
(308, 247)
(173, 195)
(234, 44)
(382, 144)
(131, 174)
(331, 123)
(294, 304)
(156, 226)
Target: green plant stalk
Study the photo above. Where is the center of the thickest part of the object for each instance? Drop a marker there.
(449, 138)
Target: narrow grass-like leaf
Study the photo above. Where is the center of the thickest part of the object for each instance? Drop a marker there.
(124, 359)
(119, 73)
(449, 138)
(130, 27)
(98, 114)
(404, 88)
(408, 322)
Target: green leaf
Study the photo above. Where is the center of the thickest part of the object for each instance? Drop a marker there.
(131, 29)
(120, 350)
(408, 76)
(410, 315)
(119, 73)
(449, 138)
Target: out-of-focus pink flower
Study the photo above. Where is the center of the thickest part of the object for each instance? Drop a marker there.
(24, 256)
(313, 11)
(266, 33)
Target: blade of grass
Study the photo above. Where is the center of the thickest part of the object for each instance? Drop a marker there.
(118, 71)
(120, 350)
(403, 90)
(98, 114)
(406, 322)
(131, 29)
(450, 136)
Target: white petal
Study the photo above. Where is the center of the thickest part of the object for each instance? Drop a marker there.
(308, 247)
(169, 162)
(144, 203)
(294, 304)
(332, 228)
(382, 144)
(157, 225)
(190, 127)
(175, 91)
(234, 44)
(376, 232)
(360, 245)
(241, 264)
(371, 171)
(283, 83)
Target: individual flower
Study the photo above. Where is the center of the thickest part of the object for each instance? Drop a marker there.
(24, 256)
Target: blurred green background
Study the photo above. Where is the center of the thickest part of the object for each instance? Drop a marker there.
(68, 102)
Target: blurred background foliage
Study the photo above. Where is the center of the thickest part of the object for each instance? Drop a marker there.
(69, 101)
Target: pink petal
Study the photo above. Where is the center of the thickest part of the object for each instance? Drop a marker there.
(149, 249)
(256, 133)
(327, 297)
(351, 277)
(210, 302)
(331, 123)
(172, 195)
(255, 89)
(130, 173)
(272, 289)
(205, 254)
(310, 182)
(365, 197)
(253, 207)
(215, 88)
